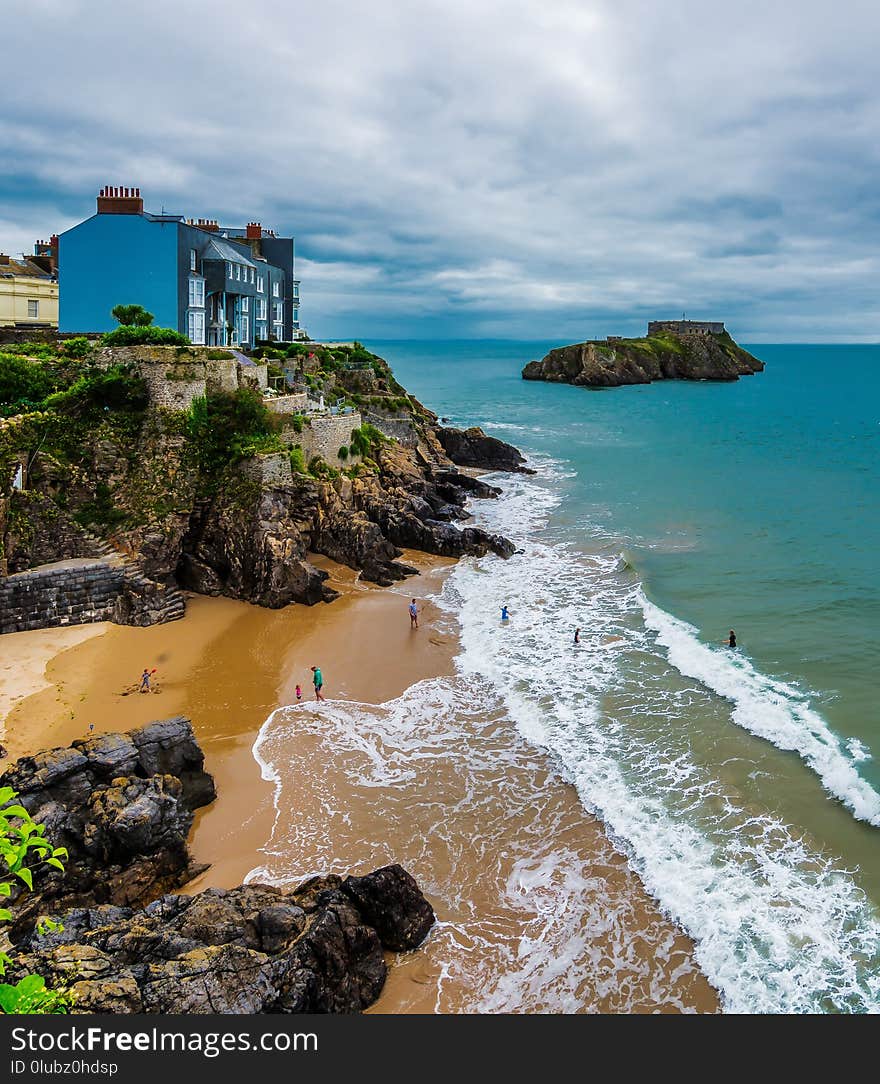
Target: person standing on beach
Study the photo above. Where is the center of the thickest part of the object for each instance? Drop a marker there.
(319, 682)
(413, 615)
(299, 693)
(145, 681)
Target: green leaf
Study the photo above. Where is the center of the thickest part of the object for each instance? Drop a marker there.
(56, 863)
(16, 811)
(26, 876)
(5, 914)
(5, 888)
(6, 793)
(8, 998)
(31, 984)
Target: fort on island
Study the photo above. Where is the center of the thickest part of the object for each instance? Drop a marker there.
(685, 327)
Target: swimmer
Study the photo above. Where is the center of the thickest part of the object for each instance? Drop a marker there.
(505, 616)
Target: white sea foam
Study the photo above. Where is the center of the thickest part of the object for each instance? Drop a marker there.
(779, 923)
(774, 710)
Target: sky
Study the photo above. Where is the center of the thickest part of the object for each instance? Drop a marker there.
(528, 169)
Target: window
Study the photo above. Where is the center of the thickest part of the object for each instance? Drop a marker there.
(261, 331)
(33, 310)
(229, 270)
(278, 331)
(244, 329)
(192, 259)
(259, 283)
(196, 328)
(261, 308)
(252, 276)
(196, 293)
(275, 289)
(245, 304)
(238, 271)
(278, 310)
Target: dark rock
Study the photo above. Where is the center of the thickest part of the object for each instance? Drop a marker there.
(251, 949)
(122, 805)
(473, 448)
(390, 900)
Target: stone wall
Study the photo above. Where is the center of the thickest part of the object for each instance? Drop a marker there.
(324, 435)
(82, 594)
(400, 428)
(680, 327)
(269, 470)
(254, 376)
(221, 375)
(288, 404)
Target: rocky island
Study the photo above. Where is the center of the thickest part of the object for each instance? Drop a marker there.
(672, 350)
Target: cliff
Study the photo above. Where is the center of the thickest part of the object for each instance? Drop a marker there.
(122, 805)
(664, 356)
(176, 459)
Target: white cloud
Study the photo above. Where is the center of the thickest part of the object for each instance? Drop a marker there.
(548, 168)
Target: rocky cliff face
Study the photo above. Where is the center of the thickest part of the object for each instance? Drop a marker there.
(687, 356)
(122, 804)
(138, 477)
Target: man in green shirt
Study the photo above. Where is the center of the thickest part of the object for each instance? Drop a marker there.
(319, 682)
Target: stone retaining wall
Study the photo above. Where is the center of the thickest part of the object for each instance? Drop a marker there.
(324, 435)
(48, 597)
(288, 404)
(269, 470)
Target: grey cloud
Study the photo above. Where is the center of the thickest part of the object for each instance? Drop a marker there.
(547, 169)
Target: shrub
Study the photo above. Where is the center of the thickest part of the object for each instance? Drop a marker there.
(23, 846)
(229, 426)
(343, 453)
(131, 315)
(144, 336)
(296, 421)
(76, 348)
(297, 460)
(218, 355)
(24, 384)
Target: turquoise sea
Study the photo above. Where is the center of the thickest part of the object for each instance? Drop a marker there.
(744, 787)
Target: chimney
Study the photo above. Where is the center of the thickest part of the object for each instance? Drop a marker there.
(53, 253)
(253, 231)
(209, 224)
(4, 259)
(113, 200)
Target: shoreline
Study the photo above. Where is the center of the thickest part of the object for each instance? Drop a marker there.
(229, 665)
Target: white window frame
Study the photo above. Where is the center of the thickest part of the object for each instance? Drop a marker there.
(229, 269)
(261, 308)
(275, 289)
(245, 328)
(33, 303)
(278, 331)
(238, 272)
(260, 283)
(192, 259)
(196, 327)
(196, 292)
(245, 304)
(252, 276)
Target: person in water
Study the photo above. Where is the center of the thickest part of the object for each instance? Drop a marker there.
(319, 682)
(577, 636)
(413, 615)
(731, 639)
(505, 616)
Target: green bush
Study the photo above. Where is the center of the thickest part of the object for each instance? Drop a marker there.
(144, 336)
(297, 460)
(227, 427)
(23, 847)
(296, 421)
(218, 355)
(101, 390)
(24, 384)
(343, 453)
(78, 348)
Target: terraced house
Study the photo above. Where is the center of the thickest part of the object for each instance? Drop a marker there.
(221, 286)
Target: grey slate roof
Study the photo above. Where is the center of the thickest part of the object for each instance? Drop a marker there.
(218, 249)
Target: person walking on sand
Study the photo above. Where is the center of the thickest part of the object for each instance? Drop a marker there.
(145, 681)
(299, 693)
(319, 682)
(413, 615)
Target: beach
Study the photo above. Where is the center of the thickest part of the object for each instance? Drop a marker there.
(464, 829)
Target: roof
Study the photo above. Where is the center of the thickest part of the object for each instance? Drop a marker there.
(23, 269)
(218, 249)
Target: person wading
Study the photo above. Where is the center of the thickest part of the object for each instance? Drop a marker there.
(318, 679)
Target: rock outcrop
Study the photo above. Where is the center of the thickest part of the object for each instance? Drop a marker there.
(473, 448)
(122, 805)
(666, 356)
(253, 949)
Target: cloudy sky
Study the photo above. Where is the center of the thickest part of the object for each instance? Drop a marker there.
(477, 168)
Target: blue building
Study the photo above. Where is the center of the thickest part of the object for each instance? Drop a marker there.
(219, 286)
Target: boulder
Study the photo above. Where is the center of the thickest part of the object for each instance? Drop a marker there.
(473, 448)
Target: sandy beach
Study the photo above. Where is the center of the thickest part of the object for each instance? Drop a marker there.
(228, 666)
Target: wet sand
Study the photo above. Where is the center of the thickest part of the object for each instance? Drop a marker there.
(228, 665)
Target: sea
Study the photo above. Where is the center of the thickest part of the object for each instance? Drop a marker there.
(742, 787)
